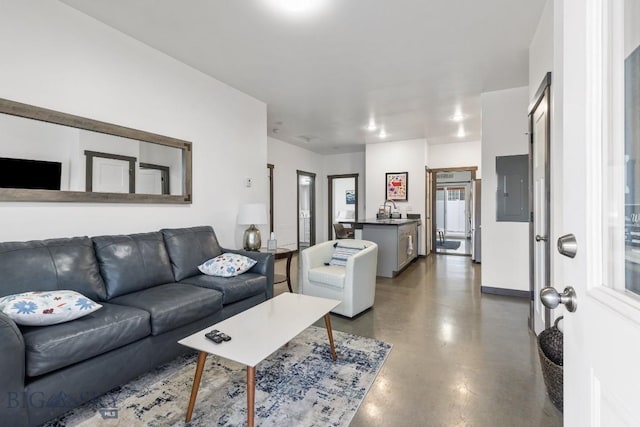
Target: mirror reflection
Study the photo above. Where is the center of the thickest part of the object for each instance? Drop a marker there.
(78, 157)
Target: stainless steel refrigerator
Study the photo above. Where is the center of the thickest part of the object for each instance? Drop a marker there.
(476, 225)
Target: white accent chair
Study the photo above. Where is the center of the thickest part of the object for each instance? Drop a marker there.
(353, 284)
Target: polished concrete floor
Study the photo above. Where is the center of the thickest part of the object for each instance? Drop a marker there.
(459, 357)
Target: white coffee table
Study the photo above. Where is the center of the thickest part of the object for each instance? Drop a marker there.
(258, 332)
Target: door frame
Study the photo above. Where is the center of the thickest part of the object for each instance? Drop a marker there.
(270, 167)
(165, 174)
(428, 211)
(330, 179)
(312, 206)
(544, 90)
(434, 183)
(90, 155)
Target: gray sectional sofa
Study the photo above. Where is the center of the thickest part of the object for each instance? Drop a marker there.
(152, 295)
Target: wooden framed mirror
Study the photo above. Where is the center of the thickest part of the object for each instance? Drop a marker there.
(49, 156)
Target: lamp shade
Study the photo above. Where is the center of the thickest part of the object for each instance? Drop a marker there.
(252, 213)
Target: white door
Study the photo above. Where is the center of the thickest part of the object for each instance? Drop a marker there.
(602, 337)
(540, 234)
(110, 175)
(149, 181)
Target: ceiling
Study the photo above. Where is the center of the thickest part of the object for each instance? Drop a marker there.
(410, 65)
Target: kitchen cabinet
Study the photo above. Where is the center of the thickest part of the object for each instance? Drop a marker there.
(397, 241)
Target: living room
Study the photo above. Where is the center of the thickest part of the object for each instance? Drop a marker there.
(56, 57)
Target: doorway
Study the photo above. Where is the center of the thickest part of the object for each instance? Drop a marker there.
(306, 209)
(153, 179)
(452, 210)
(343, 200)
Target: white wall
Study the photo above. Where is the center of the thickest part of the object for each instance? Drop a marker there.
(456, 155)
(541, 50)
(287, 159)
(398, 156)
(545, 53)
(55, 57)
(505, 245)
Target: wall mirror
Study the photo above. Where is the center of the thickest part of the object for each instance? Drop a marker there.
(49, 156)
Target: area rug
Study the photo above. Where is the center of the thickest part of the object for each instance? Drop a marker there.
(299, 385)
(448, 244)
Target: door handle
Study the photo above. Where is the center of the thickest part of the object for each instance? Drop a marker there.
(540, 238)
(567, 245)
(551, 298)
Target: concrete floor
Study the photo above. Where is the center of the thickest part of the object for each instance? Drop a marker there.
(459, 358)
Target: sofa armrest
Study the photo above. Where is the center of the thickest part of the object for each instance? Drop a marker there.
(263, 266)
(12, 357)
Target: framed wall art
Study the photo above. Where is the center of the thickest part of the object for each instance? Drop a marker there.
(396, 188)
(350, 197)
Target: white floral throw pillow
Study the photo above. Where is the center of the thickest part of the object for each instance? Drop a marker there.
(227, 265)
(43, 308)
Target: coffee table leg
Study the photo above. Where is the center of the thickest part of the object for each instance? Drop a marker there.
(202, 357)
(290, 255)
(251, 394)
(327, 322)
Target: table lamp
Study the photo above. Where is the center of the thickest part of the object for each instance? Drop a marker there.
(251, 214)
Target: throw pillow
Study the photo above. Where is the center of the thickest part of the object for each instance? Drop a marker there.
(342, 253)
(227, 265)
(43, 308)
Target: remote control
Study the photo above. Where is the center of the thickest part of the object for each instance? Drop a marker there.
(214, 336)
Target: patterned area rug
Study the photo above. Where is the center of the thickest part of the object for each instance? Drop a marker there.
(298, 385)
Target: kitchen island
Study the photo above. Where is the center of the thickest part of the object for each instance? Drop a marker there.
(397, 241)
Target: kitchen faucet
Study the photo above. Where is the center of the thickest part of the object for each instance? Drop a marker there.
(384, 207)
(392, 202)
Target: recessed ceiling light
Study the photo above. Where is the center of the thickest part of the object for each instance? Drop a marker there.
(297, 7)
(372, 125)
(457, 115)
(382, 133)
(461, 132)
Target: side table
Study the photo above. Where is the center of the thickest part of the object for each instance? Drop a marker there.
(282, 253)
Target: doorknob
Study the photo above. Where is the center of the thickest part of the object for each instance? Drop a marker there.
(551, 298)
(540, 238)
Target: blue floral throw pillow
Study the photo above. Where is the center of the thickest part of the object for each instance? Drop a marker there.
(227, 265)
(43, 308)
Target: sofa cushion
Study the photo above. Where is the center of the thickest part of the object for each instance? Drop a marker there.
(233, 288)
(132, 263)
(39, 308)
(190, 247)
(49, 265)
(173, 304)
(49, 348)
(331, 275)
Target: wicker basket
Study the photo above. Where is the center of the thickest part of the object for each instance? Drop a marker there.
(550, 351)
